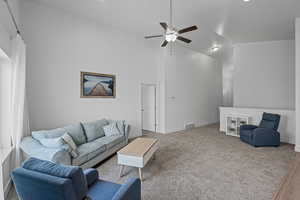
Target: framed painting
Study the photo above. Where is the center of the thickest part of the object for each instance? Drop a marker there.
(95, 85)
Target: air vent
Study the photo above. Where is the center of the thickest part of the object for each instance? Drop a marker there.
(189, 126)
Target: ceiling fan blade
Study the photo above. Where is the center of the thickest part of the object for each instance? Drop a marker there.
(183, 39)
(165, 43)
(164, 25)
(153, 36)
(192, 28)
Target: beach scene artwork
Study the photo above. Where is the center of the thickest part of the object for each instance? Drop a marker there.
(95, 85)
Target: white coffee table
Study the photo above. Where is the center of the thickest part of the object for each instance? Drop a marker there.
(137, 154)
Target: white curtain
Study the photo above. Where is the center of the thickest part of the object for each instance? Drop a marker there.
(19, 115)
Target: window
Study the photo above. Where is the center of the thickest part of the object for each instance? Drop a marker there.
(5, 101)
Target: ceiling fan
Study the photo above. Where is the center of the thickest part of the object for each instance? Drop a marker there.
(171, 34)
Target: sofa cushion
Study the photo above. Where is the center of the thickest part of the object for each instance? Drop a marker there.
(94, 130)
(267, 124)
(111, 141)
(270, 120)
(88, 151)
(104, 189)
(52, 142)
(48, 134)
(111, 130)
(76, 132)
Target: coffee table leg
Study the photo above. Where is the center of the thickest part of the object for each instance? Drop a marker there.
(141, 175)
(121, 170)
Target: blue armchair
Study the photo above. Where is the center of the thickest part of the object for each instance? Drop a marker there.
(265, 134)
(38, 179)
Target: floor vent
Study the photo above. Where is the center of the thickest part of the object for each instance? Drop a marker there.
(189, 126)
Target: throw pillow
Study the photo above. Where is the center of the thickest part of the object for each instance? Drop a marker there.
(120, 125)
(111, 129)
(48, 134)
(94, 130)
(52, 142)
(76, 132)
(72, 146)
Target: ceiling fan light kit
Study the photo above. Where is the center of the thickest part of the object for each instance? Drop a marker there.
(215, 48)
(170, 33)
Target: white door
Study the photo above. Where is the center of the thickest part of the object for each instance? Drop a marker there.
(149, 107)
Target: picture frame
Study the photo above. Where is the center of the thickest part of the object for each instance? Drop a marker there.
(97, 85)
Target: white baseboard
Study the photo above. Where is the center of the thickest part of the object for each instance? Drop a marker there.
(297, 148)
(197, 125)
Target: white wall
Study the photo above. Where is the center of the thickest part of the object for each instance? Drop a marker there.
(7, 29)
(59, 46)
(193, 89)
(287, 121)
(297, 76)
(228, 74)
(264, 75)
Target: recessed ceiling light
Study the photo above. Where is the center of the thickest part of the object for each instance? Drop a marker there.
(246, 0)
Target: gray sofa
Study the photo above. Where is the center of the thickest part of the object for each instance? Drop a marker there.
(93, 144)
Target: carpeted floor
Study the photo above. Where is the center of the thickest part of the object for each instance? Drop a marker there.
(205, 164)
(289, 189)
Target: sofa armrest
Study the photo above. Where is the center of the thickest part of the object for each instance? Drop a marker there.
(32, 148)
(127, 130)
(91, 176)
(130, 190)
(248, 127)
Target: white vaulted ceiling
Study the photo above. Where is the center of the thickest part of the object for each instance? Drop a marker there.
(219, 21)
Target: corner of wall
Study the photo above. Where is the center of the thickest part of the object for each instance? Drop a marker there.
(297, 148)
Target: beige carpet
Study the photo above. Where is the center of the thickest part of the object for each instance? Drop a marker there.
(205, 164)
(290, 187)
